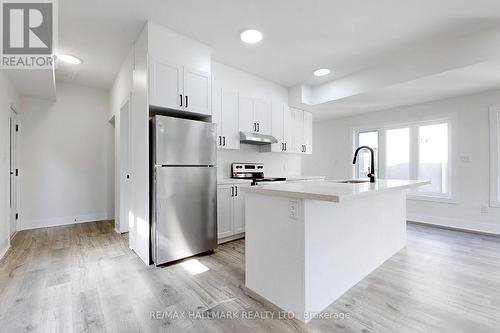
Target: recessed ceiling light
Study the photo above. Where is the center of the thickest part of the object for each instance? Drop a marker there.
(69, 59)
(251, 36)
(321, 72)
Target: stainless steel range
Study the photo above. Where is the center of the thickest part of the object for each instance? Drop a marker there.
(253, 171)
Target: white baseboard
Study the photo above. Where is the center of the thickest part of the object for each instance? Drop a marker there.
(63, 220)
(462, 224)
(4, 248)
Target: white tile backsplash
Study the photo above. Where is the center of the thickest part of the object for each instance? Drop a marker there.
(276, 164)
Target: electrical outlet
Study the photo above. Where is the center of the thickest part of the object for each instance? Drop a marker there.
(293, 209)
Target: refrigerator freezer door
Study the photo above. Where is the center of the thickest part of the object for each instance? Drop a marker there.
(186, 212)
(184, 142)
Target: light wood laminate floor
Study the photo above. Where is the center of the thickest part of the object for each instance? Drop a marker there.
(84, 278)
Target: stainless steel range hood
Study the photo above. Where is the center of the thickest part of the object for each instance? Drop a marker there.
(257, 139)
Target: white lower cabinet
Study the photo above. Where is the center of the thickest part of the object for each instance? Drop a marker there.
(230, 211)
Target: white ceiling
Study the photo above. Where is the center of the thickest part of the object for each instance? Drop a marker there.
(299, 36)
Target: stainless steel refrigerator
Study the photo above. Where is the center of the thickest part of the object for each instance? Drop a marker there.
(184, 196)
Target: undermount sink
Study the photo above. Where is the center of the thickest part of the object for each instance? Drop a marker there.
(352, 181)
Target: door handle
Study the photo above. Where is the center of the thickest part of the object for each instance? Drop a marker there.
(187, 102)
(224, 141)
(236, 191)
(181, 98)
(232, 191)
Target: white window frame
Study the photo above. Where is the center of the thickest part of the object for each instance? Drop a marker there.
(413, 124)
(494, 156)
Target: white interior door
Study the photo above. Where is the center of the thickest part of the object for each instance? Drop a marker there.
(14, 173)
(125, 181)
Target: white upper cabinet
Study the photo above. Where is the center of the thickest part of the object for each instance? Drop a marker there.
(225, 115)
(277, 127)
(262, 116)
(308, 125)
(197, 97)
(281, 128)
(246, 115)
(287, 129)
(165, 84)
(255, 115)
(179, 72)
(297, 131)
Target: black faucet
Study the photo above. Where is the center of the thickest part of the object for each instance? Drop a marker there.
(371, 175)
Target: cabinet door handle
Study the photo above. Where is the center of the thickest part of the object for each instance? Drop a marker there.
(255, 127)
(224, 141)
(258, 127)
(236, 191)
(181, 98)
(285, 146)
(232, 191)
(282, 146)
(220, 140)
(187, 102)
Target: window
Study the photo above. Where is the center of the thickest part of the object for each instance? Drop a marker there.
(370, 139)
(398, 153)
(417, 150)
(433, 157)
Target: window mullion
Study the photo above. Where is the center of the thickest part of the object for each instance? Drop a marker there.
(414, 148)
(382, 153)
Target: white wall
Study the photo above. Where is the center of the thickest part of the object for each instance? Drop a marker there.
(8, 97)
(119, 93)
(252, 86)
(332, 157)
(63, 163)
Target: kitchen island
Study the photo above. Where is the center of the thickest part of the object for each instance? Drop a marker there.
(308, 243)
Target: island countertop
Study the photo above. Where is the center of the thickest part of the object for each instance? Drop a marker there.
(332, 190)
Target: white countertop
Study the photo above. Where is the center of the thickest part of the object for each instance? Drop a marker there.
(230, 181)
(296, 178)
(329, 190)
